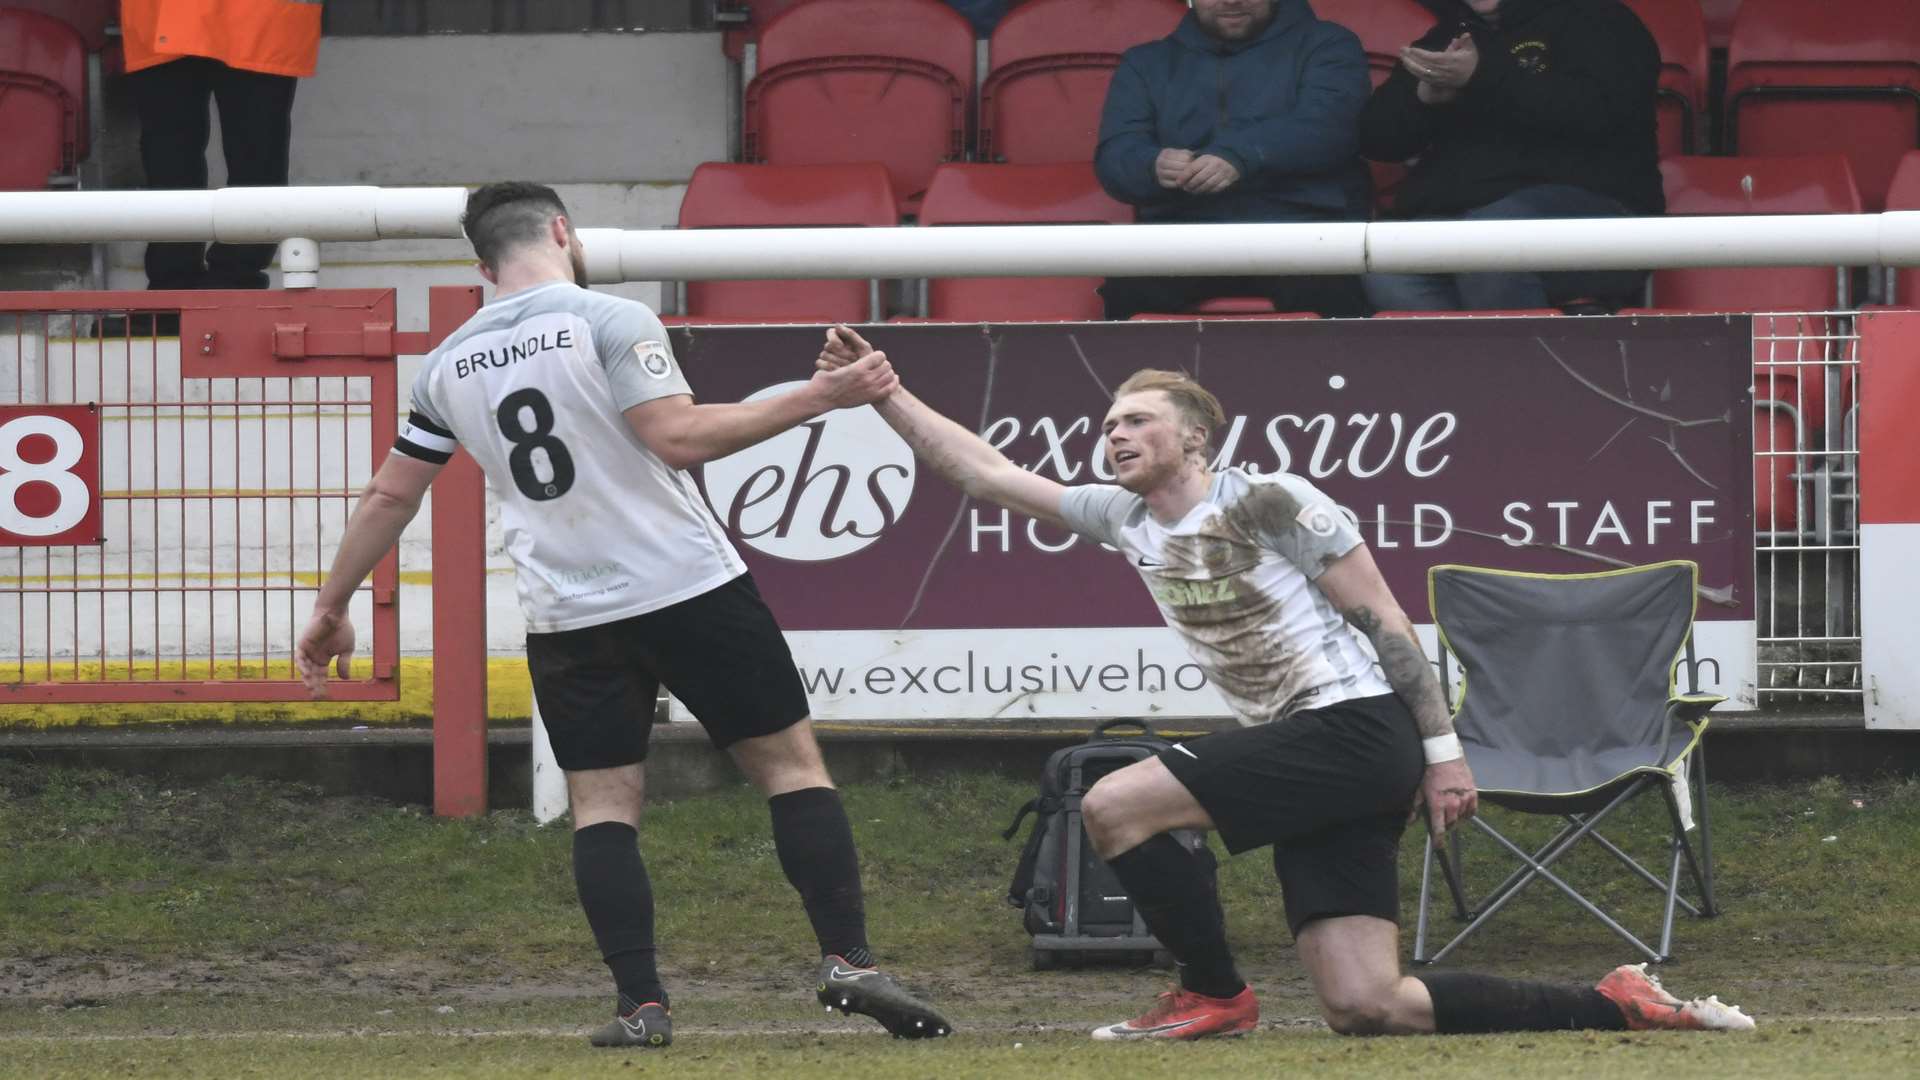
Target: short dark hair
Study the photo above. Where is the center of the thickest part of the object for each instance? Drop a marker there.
(500, 217)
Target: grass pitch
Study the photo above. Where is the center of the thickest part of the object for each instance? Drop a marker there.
(253, 929)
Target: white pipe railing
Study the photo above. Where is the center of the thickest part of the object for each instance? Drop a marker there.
(231, 215)
(1890, 239)
(256, 215)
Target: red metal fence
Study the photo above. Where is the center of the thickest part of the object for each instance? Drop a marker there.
(229, 461)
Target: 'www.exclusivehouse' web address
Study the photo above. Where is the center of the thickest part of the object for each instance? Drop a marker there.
(968, 675)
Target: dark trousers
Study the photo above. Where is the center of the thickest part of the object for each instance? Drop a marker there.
(256, 131)
(1520, 289)
(1336, 297)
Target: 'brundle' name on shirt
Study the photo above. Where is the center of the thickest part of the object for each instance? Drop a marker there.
(511, 354)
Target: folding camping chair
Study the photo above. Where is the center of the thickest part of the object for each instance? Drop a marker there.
(1568, 708)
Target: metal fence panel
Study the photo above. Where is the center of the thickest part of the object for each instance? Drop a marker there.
(1806, 499)
(227, 481)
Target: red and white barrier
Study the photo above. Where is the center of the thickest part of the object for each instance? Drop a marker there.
(1889, 518)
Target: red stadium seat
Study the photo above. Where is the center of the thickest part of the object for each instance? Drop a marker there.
(1681, 32)
(43, 99)
(1793, 356)
(1512, 313)
(724, 196)
(1754, 185)
(863, 80)
(737, 35)
(1719, 16)
(1229, 307)
(1060, 194)
(1234, 305)
(38, 147)
(1804, 184)
(1244, 316)
(1904, 192)
(1787, 351)
(1387, 178)
(1049, 65)
(1815, 79)
(1775, 431)
(90, 17)
(1384, 27)
(1226, 308)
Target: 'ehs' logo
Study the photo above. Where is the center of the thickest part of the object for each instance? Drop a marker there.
(820, 491)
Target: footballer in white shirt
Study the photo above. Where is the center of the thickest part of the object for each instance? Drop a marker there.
(1346, 734)
(576, 409)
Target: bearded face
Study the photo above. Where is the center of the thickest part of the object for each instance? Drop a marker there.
(1233, 20)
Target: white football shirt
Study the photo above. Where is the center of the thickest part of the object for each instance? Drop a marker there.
(1234, 578)
(534, 386)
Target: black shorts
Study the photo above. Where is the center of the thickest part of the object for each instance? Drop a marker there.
(720, 653)
(1329, 788)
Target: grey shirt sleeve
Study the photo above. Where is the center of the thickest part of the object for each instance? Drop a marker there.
(1096, 511)
(425, 433)
(1314, 534)
(633, 348)
(422, 395)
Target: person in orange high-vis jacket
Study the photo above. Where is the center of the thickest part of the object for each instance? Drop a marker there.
(247, 56)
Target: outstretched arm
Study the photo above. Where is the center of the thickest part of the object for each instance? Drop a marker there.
(1354, 585)
(968, 462)
(684, 434)
(388, 503)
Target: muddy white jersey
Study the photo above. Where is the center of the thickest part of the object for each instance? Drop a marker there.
(534, 386)
(1235, 579)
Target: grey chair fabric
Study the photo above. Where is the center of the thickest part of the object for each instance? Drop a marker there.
(1567, 677)
(1569, 706)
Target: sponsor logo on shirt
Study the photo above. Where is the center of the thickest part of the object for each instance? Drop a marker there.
(1530, 57)
(654, 358)
(1176, 593)
(584, 574)
(1318, 519)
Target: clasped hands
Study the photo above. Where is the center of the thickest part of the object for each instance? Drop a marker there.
(1443, 73)
(1196, 174)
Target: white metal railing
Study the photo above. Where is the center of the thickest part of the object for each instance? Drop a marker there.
(1806, 507)
(1890, 239)
(259, 215)
(231, 215)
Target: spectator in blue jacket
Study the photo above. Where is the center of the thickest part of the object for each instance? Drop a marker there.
(1248, 112)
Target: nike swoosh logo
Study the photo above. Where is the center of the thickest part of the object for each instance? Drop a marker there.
(1143, 561)
(1170, 1027)
(839, 972)
(1183, 749)
(636, 1028)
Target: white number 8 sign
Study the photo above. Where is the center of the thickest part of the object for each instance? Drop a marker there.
(27, 514)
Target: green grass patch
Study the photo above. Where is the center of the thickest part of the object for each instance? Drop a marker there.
(1826, 1049)
(213, 914)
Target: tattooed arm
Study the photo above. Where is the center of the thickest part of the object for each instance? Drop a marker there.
(1354, 585)
(1373, 611)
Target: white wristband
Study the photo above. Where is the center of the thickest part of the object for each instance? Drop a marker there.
(1442, 748)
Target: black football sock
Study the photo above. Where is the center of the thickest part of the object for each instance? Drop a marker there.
(815, 844)
(1171, 890)
(618, 900)
(1469, 1004)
